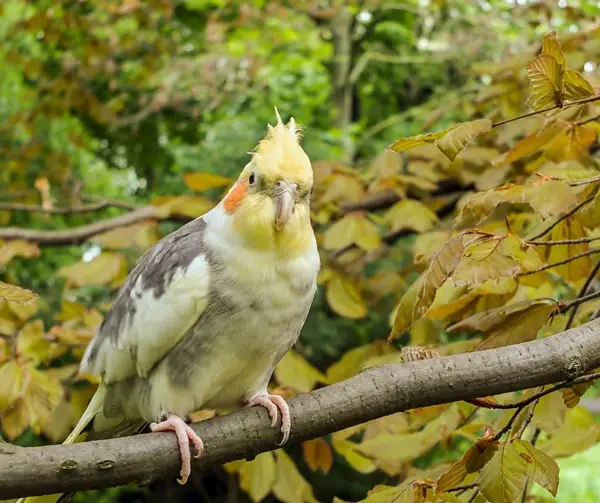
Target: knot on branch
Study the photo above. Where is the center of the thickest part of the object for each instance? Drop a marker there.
(68, 465)
(573, 367)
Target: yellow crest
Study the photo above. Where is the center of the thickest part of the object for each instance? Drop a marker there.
(279, 154)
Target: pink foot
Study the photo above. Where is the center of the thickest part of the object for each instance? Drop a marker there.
(275, 405)
(184, 435)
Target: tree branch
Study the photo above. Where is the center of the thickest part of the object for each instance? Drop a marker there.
(374, 393)
(32, 208)
(77, 235)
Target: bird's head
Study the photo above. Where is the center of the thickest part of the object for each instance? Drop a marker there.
(270, 202)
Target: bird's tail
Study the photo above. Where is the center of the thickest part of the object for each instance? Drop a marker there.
(95, 406)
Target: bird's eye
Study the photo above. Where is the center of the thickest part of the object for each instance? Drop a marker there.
(252, 179)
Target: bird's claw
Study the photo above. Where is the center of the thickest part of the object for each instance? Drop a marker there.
(275, 405)
(184, 434)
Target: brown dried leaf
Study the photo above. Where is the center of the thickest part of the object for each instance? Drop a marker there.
(419, 297)
(318, 454)
(518, 322)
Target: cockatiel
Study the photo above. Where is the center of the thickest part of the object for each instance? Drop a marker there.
(209, 311)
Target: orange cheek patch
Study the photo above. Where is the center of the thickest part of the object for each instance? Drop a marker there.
(235, 198)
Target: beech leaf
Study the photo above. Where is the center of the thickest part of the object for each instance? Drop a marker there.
(511, 324)
(545, 78)
(458, 137)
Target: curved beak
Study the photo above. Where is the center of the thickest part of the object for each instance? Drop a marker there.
(285, 198)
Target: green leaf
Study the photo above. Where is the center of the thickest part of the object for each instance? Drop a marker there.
(503, 478)
(543, 470)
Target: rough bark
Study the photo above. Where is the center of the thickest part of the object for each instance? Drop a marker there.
(373, 393)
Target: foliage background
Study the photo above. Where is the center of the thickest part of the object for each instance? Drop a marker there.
(138, 101)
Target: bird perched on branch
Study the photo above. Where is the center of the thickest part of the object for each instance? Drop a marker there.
(209, 311)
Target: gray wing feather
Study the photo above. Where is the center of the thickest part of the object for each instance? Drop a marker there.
(163, 296)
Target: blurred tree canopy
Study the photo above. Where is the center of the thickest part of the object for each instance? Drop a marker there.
(455, 149)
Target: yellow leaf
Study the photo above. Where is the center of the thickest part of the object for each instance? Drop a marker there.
(542, 469)
(290, 486)
(504, 477)
(142, 235)
(575, 86)
(550, 198)
(494, 258)
(545, 78)
(189, 206)
(347, 450)
(17, 248)
(411, 214)
(459, 136)
(353, 228)
(294, 372)
(511, 324)
(105, 269)
(16, 294)
(37, 397)
(569, 228)
(33, 345)
(547, 198)
(11, 382)
(405, 447)
(531, 144)
(341, 187)
(572, 395)
(258, 476)
(353, 361)
(317, 454)
(579, 433)
(421, 294)
(404, 144)
(551, 46)
(571, 143)
(205, 181)
(70, 310)
(473, 460)
(427, 244)
(550, 412)
(341, 234)
(367, 235)
(345, 298)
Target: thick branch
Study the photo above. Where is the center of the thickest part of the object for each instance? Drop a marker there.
(373, 393)
(77, 235)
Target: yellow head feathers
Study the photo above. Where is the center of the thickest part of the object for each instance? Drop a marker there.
(280, 156)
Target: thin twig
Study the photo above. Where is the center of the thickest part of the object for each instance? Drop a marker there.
(582, 101)
(524, 116)
(580, 300)
(557, 242)
(564, 217)
(466, 487)
(581, 294)
(560, 262)
(585, 182)
(473, 496)
(586, 121)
